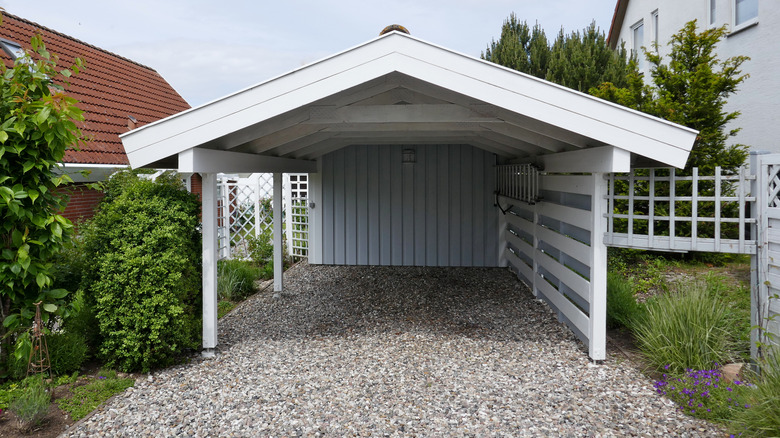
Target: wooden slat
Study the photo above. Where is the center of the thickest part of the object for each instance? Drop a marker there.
(571, 247)
(568, 277)
(520, 265)
(521, 245)
(562, 304)
(679, 244)
(566, 183)
(573, 216)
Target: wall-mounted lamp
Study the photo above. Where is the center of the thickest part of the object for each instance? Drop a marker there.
(408, 156)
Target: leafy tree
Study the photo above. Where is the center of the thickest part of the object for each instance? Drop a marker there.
(577, 60)
(690, 90)
(37, 124)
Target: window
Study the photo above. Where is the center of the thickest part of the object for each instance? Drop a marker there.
(712, 12)
(13, 49)
(638, 39)
(745, 12)
(655, 27)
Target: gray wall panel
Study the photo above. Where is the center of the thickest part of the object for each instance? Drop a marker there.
(436, 212)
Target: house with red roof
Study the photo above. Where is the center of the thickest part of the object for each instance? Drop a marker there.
(116, 95)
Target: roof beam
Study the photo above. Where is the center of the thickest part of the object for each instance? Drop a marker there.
(420, 113)
(214, 161)
(601, 159)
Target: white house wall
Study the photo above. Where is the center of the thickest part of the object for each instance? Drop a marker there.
(376, 210)
(759, 96)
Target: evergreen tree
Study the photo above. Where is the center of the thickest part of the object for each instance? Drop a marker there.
(577, 60)
(690, 90)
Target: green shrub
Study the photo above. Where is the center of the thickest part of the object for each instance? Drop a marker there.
(261, 247)
(32, 404)
(67, 351)
(762, 419)
(83, 322)
(687, 328)
(622, 308)
(235, 279)
(144, 272)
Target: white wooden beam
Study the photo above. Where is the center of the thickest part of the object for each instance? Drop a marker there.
(214, 161)
(601, 159)
(278, 223)
(597, 316)
(420, 113)
(209, 260)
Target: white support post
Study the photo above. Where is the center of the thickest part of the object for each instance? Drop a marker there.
(288, 217)
(759, 261)
(256, 195)
(209, 217)
(278, 249)
(597, 336)
(315, 215)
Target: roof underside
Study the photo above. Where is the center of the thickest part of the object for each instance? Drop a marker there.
(399, 90)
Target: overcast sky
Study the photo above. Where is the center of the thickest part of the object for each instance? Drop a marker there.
(209, 49)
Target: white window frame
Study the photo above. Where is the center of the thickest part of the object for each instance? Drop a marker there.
(747, 23)
(712, 18)
(656, 27)
(640, 57)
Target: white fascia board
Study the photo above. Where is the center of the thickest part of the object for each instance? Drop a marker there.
(94, 172)
(573, 111)
(213, 161)
(601, 159)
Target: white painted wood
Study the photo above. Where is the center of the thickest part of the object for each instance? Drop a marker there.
(597, 330)
(601, 159)
(575, 315)
(412, 114)
(278, 226)
(565, 183)
(414, 223)
(565, 275)
(315, 216)
(503, 88)
(209, 216)
(575, 249)
(214, 161)
(574, 216)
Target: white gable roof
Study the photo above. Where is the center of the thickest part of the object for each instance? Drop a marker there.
(399, 89)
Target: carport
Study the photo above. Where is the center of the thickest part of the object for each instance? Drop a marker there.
(422, 156)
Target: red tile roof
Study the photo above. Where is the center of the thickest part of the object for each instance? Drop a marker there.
(110, 90)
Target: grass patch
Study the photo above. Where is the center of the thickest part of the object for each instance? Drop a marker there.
(687, 328)
(236, 279)
(88, 397)
(622, 308)
(31, 404)
(763, 416)
(224, 307)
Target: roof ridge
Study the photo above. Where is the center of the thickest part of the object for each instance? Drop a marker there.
(39, 26)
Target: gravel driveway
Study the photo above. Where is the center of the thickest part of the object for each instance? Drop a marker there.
(368, 351)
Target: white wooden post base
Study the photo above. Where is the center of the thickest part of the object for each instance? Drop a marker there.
(278, 223)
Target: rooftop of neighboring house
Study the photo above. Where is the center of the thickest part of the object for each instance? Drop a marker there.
(115, 93)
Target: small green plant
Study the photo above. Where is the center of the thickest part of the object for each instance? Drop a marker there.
(87, 398)
(622, 308)
(235, 279)
(83, 322)
(763, 417)
(687, 328)
(261, 247)
(67, 352)
(32, 404)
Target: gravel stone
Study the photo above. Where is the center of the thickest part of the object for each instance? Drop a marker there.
(394, 351)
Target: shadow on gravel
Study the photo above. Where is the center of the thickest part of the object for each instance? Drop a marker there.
(322, 301)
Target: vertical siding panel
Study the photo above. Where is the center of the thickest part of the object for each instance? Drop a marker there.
(397, 210)
(491, 212)
(442, 210)
(431, 203)
(478, 211)
(350, 196)
(328, 219)
(455, 196)
(467, 188)
(339, 220)
(361, 187)
(408, 211)
(385, 206)
(373, 165)
(419, 205)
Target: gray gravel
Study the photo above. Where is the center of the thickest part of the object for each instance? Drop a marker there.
(368, 351)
